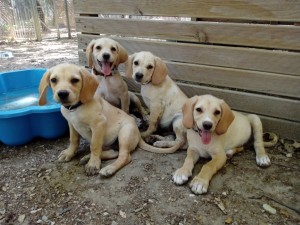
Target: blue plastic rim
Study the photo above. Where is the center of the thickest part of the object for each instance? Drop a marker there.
(21, 118)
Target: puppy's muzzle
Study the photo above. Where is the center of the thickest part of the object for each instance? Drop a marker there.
(139, 76)
(207, 125)
(63, 95)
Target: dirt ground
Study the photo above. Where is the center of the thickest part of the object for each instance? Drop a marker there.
(36, 189)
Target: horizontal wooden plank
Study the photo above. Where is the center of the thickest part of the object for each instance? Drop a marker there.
(276, 10)
(247, 102)
(258, 35)
(270, 83)
(233, 57)
(262, 82)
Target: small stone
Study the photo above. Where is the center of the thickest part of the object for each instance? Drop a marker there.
(192, 195)
(35, 211)
(3, 188)
(105, 214)
(269, 209)
(224, 193)
(44, 218)
(145, 179)
(114, 223)
(229, 220)
(289, 155)
(150, 200)
(21, 218)
(122, 214)
(46, 166)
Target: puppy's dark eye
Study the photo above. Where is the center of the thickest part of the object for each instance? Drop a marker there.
(74, 80)
(217, 112)
(136, 63)
(199, 110)
(149, 67)
(113, 49)
(98, 47)
(53, 80)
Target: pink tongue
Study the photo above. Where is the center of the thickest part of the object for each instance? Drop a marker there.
(106, 70)
(205, 137)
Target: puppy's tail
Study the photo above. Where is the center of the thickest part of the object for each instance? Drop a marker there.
(273, 139)
(143, 145)
(258, 132)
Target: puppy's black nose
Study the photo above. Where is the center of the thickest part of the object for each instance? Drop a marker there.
(139, 76)
(207, 125)
(106, 56)
(63, 94)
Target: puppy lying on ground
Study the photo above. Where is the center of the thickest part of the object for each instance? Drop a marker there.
(215, 131)
(104, 56)
(90, 116)
(161, 95)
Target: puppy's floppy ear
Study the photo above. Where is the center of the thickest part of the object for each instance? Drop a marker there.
(160, 71)
(227, 117)
(89, 85)
(44, 84)
(187, 110)
(89, 53)
(128, 66)
(122, 54)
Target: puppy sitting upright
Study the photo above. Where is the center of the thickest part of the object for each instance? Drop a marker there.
(91, 117)
(215, 131)
(104, 55)
(161, 95)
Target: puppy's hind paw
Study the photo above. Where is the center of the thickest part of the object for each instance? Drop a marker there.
(107, 171)
(199, 186)
(181, 176)
(65, 156)
(263, 161)
(84, 159)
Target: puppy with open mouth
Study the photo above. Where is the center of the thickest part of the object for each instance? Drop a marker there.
(217, 132)
(104, 55)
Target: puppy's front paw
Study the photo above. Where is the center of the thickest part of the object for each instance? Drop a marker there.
(92, 167)
(263, 161)
(181, 176)
(199, 186)
(65, 156)
(107, 171)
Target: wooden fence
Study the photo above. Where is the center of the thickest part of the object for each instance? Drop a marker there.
(246, 52)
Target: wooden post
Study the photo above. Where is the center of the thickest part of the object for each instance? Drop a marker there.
(56, 19)
(67, 17)
(36, 21)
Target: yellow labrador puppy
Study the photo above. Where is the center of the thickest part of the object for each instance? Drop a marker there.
(91, 117)
(161, 95)
(214, 131)
(104, 55)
